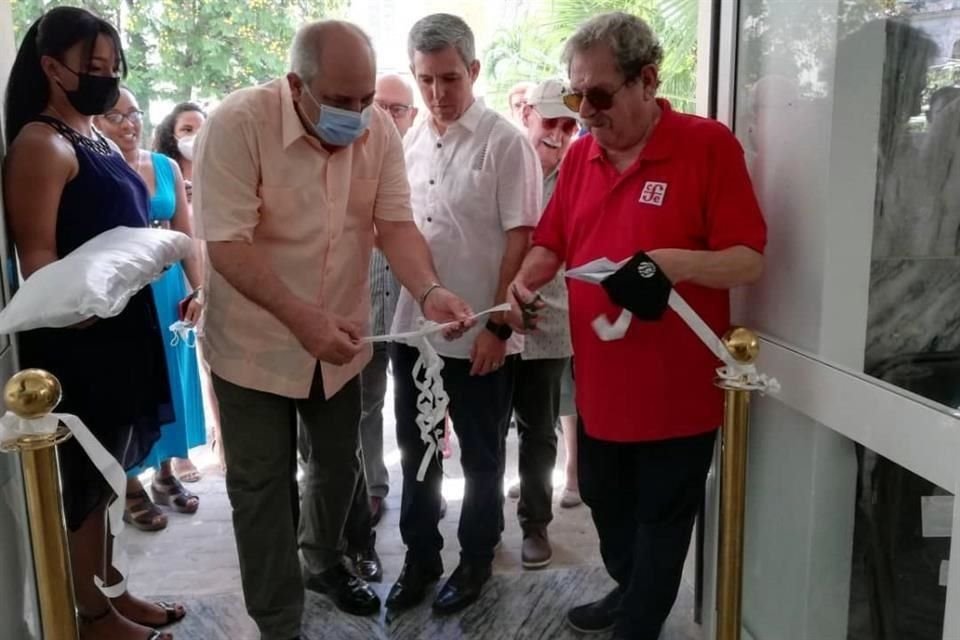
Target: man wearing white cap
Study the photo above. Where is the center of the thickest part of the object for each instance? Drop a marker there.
(550, 125)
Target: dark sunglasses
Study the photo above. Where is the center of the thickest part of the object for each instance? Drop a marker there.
(567, 125)
(117, 118)
(601, 99)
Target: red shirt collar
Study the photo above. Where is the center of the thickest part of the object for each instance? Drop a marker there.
(659, 146)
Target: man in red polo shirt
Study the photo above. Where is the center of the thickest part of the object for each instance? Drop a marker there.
(676, 187)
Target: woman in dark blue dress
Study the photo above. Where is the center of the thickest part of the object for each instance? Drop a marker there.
(63, 185)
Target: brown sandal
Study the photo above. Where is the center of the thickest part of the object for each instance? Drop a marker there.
(171, 493)
(170, 610)
(154, 634)
(144, 514)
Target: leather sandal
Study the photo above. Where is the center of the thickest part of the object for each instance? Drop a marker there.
(169, 492)
(86, 620)
(169, 610)
(142, 513)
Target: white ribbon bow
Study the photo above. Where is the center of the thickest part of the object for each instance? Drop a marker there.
(13, 426)
(733, 373)
(432, 400)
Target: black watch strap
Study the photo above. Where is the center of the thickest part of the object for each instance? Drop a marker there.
(502, 331)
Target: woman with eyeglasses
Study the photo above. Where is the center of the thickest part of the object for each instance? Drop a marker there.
(64, 184)
(169, 210)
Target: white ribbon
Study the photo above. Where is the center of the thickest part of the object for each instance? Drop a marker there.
(185, 332)
(13, 426)
(432, 400)
(733, 373)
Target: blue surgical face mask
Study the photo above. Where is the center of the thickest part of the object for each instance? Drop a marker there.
(340, 127)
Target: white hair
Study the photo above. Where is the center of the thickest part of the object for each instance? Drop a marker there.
(631, 40)
(439, 31)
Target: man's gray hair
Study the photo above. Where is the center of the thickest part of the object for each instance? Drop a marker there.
(307, 47)
(631, 40)
(439, 31)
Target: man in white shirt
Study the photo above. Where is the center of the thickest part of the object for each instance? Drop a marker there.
(475, 184)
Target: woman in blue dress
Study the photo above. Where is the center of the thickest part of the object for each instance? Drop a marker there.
(64, 184)
(168, 209)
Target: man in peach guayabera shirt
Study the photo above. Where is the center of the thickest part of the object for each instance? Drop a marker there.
(294, 180)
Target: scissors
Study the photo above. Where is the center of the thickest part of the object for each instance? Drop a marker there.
(528, 310)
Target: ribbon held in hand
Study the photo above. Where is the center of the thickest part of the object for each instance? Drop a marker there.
(639, 286)
(432, 401)
(662, 294)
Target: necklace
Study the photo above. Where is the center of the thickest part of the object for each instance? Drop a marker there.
(97, 143)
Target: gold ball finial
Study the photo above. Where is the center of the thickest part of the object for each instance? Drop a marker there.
(32, 393)
(743, 344)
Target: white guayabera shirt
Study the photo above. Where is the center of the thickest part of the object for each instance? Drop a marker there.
(469, 186)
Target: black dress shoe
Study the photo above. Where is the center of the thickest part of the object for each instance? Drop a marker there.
(350, 593)
(596, 617)
(462, 588)
(411, 587)
(366, 562)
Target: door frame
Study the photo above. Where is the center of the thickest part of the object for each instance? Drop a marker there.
(859, 407)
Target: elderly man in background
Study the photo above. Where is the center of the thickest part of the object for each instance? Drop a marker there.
(476, 196)
(671, 190)
(550, 126)
(516, 98)
(293, 179)
(395, 96)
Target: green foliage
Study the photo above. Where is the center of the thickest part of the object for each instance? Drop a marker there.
(196, 49)
(531, 49)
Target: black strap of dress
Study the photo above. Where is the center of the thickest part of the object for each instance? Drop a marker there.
(98, 144)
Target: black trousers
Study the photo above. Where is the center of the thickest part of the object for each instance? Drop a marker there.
(480, 408)
(644, 498)
(536, 405)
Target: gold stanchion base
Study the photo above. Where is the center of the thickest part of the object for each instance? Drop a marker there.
(732, 506)
(48, 534)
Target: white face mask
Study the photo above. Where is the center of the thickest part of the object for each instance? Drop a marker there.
(185, 146)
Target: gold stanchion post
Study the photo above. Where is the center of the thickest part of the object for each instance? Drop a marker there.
(744, 346)
(31, 394)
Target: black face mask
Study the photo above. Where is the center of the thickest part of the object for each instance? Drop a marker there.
(94, 95)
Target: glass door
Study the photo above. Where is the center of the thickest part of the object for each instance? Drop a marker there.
(849, 116)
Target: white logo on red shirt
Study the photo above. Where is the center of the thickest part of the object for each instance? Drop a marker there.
(653, 193)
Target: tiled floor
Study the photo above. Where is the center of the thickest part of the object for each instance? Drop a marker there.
(195, 559)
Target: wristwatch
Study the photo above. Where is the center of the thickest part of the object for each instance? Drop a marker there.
(502, 331)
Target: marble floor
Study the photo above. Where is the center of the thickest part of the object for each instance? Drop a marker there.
(195, 560)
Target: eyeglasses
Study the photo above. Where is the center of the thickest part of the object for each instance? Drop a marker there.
(396, 110)
(117, 118)
(601, 99)
(567, 125)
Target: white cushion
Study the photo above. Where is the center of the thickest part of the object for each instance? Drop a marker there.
(97, 279)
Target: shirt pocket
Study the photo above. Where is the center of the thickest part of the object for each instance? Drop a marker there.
(292, 214)
(473, 193)
(362, 202)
